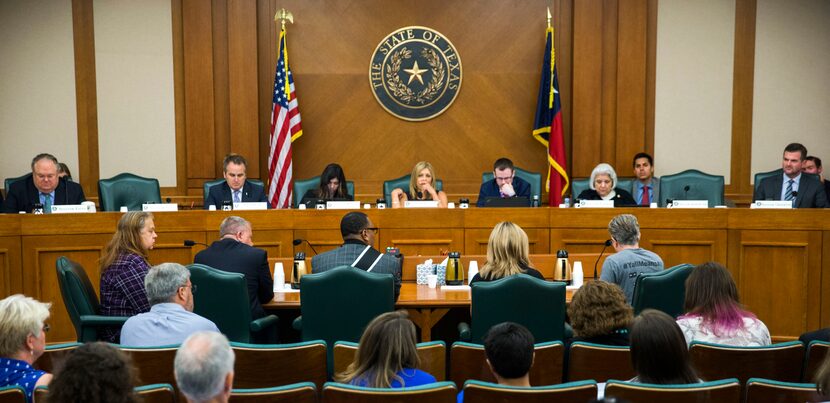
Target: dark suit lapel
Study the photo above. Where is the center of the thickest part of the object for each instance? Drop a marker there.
(226, 192)
(803, 190)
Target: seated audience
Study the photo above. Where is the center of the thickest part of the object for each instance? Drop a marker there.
(235, 188)
(820, 335)
(387, 356)
(64, 172)
(204, 367)
(822, 378)
(504, 183)
(658, 351)
(604, 187)
(507, 254)
(332, 186)
(22, 341)
(422, 186)
(42, 187)
(599, 314)
(805, 191)
(812, 165)
(623, 267)
(510, 353)
(95, 373)
(123, 267)
(171, 318)
(713, 312)
(646, 189)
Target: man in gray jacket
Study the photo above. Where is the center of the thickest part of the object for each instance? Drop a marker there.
(623, 267)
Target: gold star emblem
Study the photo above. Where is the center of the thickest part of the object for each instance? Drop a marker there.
(414, 73)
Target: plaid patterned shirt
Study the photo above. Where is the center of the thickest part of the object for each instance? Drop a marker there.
(122, 289)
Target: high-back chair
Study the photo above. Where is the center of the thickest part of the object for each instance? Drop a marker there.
(780, 362)
(439, 392)
(533, 178)
(267, 365)
(432, 354)
(759, 390)
(599, 362)
(303, 392)
(664, 291)
(579, 185)
(157, 393)
(154, 364)
(692, 184)
(81, 301)
(128, 190)
(467, 361)
(301, 186)
(12, 394)
(9, 181)
(721, 391)
(54, 356)
(816, 352)
(403, 183)
(581, 391)
(760, 176)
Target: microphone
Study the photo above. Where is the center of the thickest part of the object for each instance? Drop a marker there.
(607, 244)
(298, 241)
(686, 192)
(190, 243)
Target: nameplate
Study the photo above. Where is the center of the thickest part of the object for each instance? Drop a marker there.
(72, 208)
(343, 205)
(779, 204)
(421, 204)
(251, 206)
(157, 207)
(596, 204)
(455, 288)
(690, 204)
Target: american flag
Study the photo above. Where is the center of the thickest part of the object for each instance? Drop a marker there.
(285, 128)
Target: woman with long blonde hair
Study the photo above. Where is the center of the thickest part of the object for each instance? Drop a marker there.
(422, 186)
(507, 254)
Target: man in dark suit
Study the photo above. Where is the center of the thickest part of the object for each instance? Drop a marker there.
(234, 252)
(805, 190)
(504, 183)
(235, 189)
(358, 237)
(812, 165)
(42, 187)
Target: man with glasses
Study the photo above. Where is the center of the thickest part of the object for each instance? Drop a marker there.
(171, 319)
(358, 237)
(504, 183)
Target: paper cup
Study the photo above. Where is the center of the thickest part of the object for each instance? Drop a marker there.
(432, 280)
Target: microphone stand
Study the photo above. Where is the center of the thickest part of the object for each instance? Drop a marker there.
(607, 244)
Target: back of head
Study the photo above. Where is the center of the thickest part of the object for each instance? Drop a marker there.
(352, 223)
(502, 164)
(658, 350)
(127, 238)
(20, 316)
(94, 372)
(625, 229)
(163, 282)
(598, 308)
(231, 225)
(507, 250)
(603, 169)
(712, 294)
(202, 366)
(509, 348)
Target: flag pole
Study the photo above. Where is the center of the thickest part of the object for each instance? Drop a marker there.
(281, 16)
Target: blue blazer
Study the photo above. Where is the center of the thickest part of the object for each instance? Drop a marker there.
(221, 192)
(490, 189)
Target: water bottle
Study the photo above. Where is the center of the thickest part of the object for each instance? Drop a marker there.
(535, 201)
(567, 202)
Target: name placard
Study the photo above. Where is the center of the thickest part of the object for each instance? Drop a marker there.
(768, 204)
(157, 207)
(251, 206)
(343, 205)
(690, 204)
(72, 208)
(595, 204)
(421, 204)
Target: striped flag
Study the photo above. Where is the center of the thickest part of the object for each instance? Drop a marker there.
(285, 128)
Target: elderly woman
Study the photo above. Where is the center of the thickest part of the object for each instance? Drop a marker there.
(507, 254)
(422, 186)
(599, 314)
(22, 341)
(604, 187)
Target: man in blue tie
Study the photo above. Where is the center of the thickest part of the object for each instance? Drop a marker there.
(235, 188)
(42, 187)
(802, 189)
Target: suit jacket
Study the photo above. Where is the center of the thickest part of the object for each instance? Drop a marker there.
(221, 192)
(655, 190)
(233, 256)
(491, 189)
(811, 193)
(346, 254)
(23, 195)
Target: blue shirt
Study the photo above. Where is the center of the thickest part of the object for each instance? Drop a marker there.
(784, 185)
(19, 373)
(411, 377)
(638, 195)
(166, 323)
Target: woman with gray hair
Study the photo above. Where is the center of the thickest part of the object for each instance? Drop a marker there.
(22, 341)
(604, 187)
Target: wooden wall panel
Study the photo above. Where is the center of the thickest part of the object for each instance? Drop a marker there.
(743, 87)
(825, 279)
(199, 89)
(686, 246)
(86, 95)
(11, 277)
(424, 241)
(587, 89)
(322, 240)
(242, 74)
(475, 241)
(221, 82)
(629, 135)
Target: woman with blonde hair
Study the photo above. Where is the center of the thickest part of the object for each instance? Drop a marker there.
(599, 314)
(22, 341)
(507, 254)
(387, 356)
(422, 186)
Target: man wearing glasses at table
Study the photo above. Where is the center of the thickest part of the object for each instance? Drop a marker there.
(503, 184)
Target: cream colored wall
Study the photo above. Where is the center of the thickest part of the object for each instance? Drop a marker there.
(134, 72)
(37, 72)
(693, 108)
(792, 80)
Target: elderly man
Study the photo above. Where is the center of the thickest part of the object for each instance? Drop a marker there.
(204, 368)
(171, 318)
(504, 183)
(42, 187)
(235, 189)
(646, 189)
(623, 267)
(805, 191)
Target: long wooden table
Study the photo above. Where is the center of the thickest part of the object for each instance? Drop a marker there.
(779, 259)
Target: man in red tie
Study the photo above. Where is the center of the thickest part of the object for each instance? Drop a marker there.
(646, 189)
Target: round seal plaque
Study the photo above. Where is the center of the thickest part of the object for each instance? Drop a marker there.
(415, 73)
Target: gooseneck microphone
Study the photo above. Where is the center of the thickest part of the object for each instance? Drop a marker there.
(607, 244)
(190, 243)
(298, 241)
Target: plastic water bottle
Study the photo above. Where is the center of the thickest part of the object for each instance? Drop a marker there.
(567, 202)
(534, 202)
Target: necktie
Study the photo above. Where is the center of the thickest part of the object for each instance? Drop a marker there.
(47, 203)
(237, 197)
(788, 194)
(644, 198)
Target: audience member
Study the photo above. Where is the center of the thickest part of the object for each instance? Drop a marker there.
(510, 353)
(235, 188)
(714, 313)
(124, 266)
(358, 237)
(806, 191)
(822, 378)
(387, 356)
(22, 341)
(646, 189)
(332, 186)
(604, 187)
(820, 335)
(42, 187)
(64, 172)
(204, 368)
(422, 186)
(812, 165)
(171, 318)
(599, 314)
(623, 267)
(95, 373)
(658, 351)
(504, 183)
(507, 254)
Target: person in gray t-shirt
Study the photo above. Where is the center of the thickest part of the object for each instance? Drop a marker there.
(623, 267)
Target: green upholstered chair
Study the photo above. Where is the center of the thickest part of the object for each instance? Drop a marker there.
(468, 361)
(433, 393)
(403, 183)
(40, 394)
(12, 394)
(664, 291)
(54, 355)
(692, 184)
(579, 185)
(759, 390)
(154, 364)
(816, 352)
(723, 391)
(304, 185)
(129, 190)
(223, 298)
(763, 175)
(782, 361)
(626, 184)
(536, 304)
(302, 392)
(266, 365)
(580, 391)
(208, 184)
(599, 362)
(9, 181)
(533, 178)
(432, 354)
(81, 301)
(157, 393)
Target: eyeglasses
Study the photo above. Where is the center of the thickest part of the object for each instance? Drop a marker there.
(192, 288)
(373, 229)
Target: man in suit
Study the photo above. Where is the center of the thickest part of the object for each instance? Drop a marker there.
(235, 189)
(42, 187)
(358, 237)
(234, 252)
(504, 183)
(646, 189)
(812, 165)
(805, 190)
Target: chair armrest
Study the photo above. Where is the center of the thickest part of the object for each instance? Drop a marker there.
(464, 333)
(264, 322)
(100, 320)
(297, 324)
